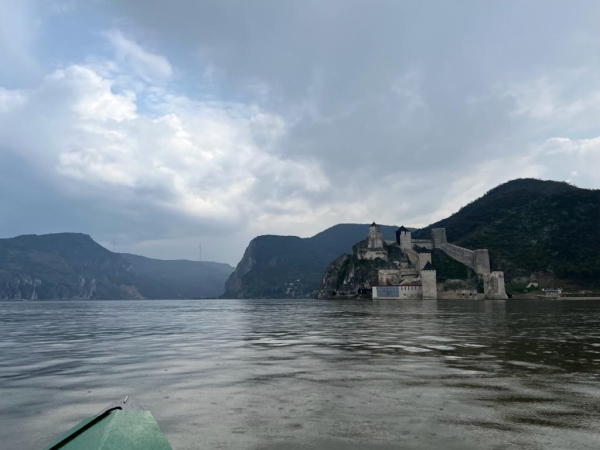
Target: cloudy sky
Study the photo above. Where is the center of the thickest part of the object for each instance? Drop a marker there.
(165, 123)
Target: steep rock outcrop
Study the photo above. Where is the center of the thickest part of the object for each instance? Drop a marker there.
(349, 275)
(289, 266)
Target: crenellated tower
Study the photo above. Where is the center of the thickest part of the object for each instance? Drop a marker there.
(375, 238)
(403, 238)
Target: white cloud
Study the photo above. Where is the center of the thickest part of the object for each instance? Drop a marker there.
(565, 99)
(201, 160)
(575, 159)
(376, 114)
(149, 66)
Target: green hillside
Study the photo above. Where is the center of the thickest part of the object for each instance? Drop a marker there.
(532, 226)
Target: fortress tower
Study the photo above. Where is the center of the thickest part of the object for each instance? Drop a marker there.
(438, 236)
(403, 238)
(375, 238)
(429, 282)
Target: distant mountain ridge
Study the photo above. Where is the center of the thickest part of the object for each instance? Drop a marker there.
(74, 266)
(532, 228)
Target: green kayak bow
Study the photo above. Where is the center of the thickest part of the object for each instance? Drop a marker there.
(120, 426)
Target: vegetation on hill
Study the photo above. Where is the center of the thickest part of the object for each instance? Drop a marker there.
(532, 226)
(540, 229)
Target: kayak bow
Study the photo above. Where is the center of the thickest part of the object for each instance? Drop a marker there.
(120, 426)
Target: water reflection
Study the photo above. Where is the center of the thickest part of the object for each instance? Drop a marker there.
(309, 374)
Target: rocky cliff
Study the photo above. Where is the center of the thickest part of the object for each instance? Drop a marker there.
(289, 266)
(348, 275)
(73, 266)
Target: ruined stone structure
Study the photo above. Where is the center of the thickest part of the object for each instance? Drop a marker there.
(478, 260)
(415, 276)
(374, 248)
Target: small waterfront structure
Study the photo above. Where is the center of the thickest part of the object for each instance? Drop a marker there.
(399, 292)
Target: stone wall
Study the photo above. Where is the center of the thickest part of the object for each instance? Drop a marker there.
(402, 292)
(481, 261)
(478, 260)
(463, 255)
(429, 284)
(493, 285)
(374, 254)
(413, 257)
(388, 276)
(417, 260)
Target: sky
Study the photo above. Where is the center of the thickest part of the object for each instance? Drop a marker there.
(160, 125)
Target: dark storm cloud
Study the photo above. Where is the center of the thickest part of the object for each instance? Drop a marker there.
(399, 84)
(229, 119)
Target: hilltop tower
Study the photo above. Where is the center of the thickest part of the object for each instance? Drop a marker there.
(403, 238)
(438, 236)
(429, 282)
(375, 238)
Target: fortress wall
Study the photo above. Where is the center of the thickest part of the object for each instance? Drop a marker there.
(413, 257)
(397, 292)
(493, 285)
(478, 260)
(482, 261)
(374, 254)
(424, 258)
(388, 276)
(463, 255)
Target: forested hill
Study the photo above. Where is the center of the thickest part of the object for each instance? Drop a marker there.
(533, 226)
(73, 265)
(534, 229)
(290, 266)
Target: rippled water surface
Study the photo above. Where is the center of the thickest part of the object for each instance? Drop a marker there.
(282, 374)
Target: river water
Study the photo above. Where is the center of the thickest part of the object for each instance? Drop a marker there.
(284, 374)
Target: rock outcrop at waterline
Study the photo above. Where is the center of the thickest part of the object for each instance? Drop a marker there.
(350, 276)
(289, 266)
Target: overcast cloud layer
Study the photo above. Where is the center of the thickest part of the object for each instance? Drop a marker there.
(162, 124)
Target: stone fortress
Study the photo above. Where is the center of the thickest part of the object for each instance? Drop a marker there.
(415, 277)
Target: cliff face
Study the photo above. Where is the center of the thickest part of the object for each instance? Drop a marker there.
(289, 266)
(348, 274)
(73, 266)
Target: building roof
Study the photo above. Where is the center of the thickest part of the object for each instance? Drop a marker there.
(428, 266)
(403, 228)
(373, 224)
